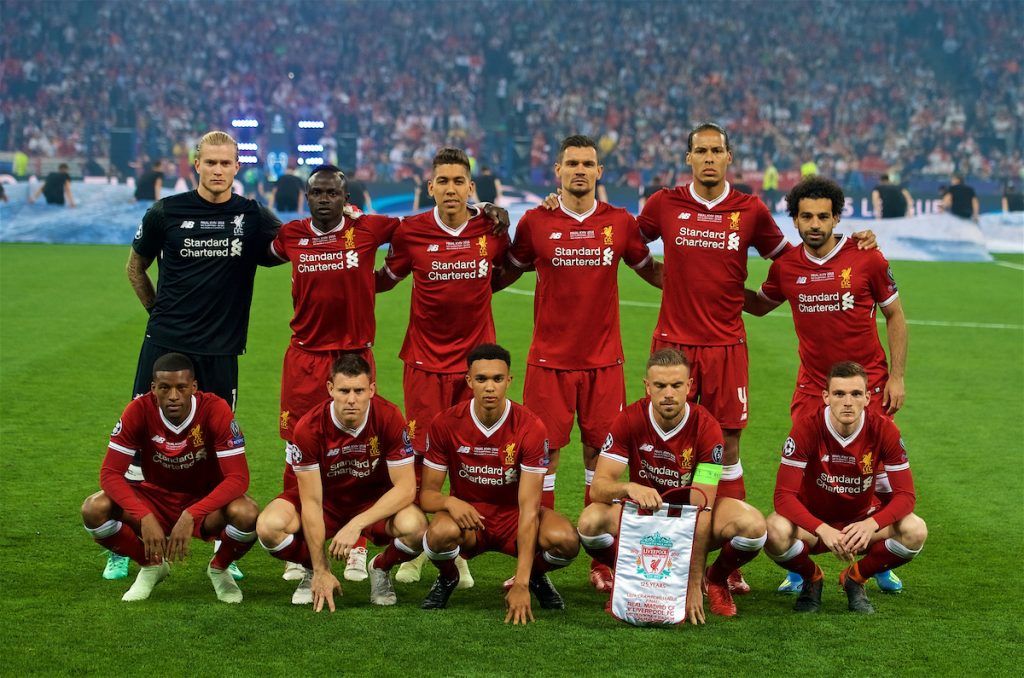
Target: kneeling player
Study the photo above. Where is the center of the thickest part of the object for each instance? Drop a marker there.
(339, 487)
(668, 443)
(495, 452)
(193, 459)
(825, 494)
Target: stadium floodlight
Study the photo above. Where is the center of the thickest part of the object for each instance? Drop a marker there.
(311, 124)
(244, 122)
(311, 148)
(248, 146)
(248, 159)
(314, 161)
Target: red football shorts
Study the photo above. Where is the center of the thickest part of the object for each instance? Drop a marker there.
(167, 506)
(807, 402)
(304, 378)
(501, 527)
(595, 396)
(427, 394)
(719, 380)
(336, 517)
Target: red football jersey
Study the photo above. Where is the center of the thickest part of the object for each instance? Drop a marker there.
(450, 310)
(576, 303)
(825, 477)
(833, 300)
(332, 280)
(483, 464)
(661, 459)
(706, 247)
(349, 459)
(203, 457)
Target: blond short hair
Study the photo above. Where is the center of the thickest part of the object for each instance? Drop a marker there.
(216, 138)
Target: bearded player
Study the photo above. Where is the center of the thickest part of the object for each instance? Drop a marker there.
(667, 443)
(193, 458)
(574, 368)
(825, 493)
(494, 452)
(354, 478)
(707, 229)
(834, 290)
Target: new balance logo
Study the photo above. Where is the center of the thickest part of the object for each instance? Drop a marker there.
(186, 225)
(463, 450)
(647, 447)
(555, 236)
(801, 280)
(685, 215)
(303, 242)
(433, 248)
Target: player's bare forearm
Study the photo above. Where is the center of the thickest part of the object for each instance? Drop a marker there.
(652, 272)
(505, 276)
(179, 540)
(314, 532)
(383, 282)
(431, 499)
(755, 304)
(526, 540)
(140, 281)
(897, 336)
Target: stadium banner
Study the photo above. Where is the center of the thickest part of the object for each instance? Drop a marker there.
(108, 214)
(652, 566)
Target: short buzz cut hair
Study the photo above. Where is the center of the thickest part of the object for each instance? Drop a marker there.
(845, 370)
(489, 352)
(351, 365)
(334, 169)
(704, 127)
(575, 141)
(815, 187)
(216, 138)
(668, 357)
(173, 362)
(451, 156)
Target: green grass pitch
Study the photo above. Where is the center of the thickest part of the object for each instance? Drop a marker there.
(70, 330)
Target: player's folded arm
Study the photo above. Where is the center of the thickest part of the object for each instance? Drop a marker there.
(232, 486)
(787, 496)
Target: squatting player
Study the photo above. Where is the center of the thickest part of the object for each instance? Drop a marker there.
(452, 254)
(495, 453)
(207, 244)
(825, 493)
(707, 229)
(574, 367)
(332, 256)
(343, 490)
(193, 457)
(668, 443)
(833, 289)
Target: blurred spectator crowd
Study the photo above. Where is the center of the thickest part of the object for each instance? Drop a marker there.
(915, 87)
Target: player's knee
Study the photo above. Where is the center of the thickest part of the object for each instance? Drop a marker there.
(443, 534)
(750, 524)
(270, 527)
(780, 534)
(96, 509)
(913, 532)
(410, 524)
(595, 520)
(243, 513)
(560, 538)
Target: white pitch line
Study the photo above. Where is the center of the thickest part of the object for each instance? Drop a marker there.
(789, 316)
(1010, 264)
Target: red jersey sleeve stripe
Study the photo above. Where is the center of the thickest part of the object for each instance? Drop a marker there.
(221, 454)
(760, 293)
(615, 457)
(305, 467)
(273, 250)
(533, 469)
(390, 274)
(775, 252)
(122, 449)
(643, 263)
(400, 462)
(435, 465)
(794, 464)
(905, 466)
(890, 299)
(516, 262)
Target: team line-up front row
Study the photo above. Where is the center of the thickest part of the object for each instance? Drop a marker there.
(352, 473)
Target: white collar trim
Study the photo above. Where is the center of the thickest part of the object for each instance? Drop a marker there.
(713, 203)
(666, 435)
(487, 431)
(821, 261)
(578, 217)
(315, 232)
(844, 441)
(456, 232)
(354, 432)
(183, 425)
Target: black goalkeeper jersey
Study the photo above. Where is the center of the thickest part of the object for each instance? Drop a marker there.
(207, 256)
